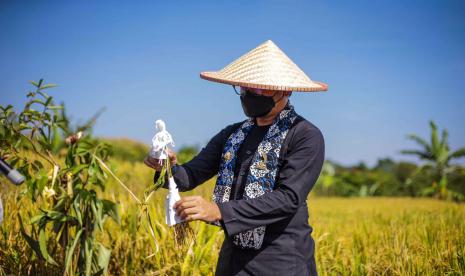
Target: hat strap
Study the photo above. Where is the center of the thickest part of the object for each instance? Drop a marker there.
(238, 93)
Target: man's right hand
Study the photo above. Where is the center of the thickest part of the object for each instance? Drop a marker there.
(156, 164)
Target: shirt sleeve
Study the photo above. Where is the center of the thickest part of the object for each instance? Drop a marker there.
(298, 173)
(203, 166)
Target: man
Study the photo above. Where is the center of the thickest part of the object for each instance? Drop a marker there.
(265, 167)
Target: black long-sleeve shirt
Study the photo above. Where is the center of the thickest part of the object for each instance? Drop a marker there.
(288, 248)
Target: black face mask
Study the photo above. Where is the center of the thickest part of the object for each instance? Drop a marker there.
(256, 105)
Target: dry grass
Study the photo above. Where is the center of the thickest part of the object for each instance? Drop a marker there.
(354, 236)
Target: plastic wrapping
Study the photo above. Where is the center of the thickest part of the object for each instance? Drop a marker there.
(173, 195)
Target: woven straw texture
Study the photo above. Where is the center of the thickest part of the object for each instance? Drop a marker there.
(265, 67)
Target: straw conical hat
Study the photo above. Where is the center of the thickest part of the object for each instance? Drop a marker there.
(265, 67)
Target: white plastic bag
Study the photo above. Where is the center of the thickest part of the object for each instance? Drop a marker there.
(173, 195)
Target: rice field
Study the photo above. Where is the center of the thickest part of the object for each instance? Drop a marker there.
(354, 236)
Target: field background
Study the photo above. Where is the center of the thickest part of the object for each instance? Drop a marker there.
(354, 236)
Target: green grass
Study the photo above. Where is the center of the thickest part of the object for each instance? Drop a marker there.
(354, 236)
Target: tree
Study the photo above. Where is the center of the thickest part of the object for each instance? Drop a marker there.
(437, 152)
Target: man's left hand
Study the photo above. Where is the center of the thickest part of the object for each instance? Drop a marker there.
(196, 208)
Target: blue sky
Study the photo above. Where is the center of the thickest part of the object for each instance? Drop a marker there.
(391, 66)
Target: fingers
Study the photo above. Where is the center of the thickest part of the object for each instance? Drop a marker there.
(186, 199)
(152, 163)
(147, 162)
(157, 164)
(184, 213)
(173, 160)
(191, 214)
(193, 217)
(184, 206)
(172, 156)
(189, 208)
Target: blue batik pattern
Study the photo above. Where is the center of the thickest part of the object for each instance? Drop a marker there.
(262, 172)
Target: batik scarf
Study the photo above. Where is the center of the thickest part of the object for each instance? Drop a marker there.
(262, 172)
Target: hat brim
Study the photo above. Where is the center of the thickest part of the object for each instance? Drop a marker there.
(215, 77)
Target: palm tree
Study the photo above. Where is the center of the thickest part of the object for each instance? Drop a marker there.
(437, 152)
